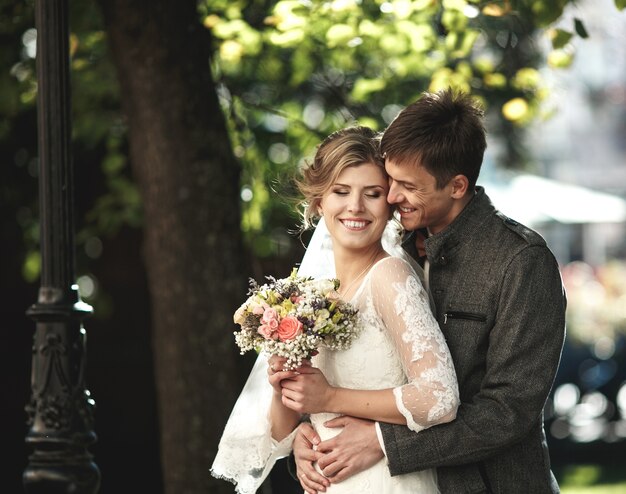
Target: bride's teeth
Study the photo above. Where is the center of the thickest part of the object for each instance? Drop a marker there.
(406, 210)
(354, 224)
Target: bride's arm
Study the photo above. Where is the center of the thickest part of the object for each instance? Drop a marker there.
(311, 393)
(283, 419)
(431, 395)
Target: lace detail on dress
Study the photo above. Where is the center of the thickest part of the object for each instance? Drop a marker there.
(399, 347)
(431, 394)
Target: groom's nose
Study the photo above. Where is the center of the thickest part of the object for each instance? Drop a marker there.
(394, 196)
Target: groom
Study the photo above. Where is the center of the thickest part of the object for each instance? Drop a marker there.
(499, 301)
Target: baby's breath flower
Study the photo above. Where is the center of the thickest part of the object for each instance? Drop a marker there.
(312, 312)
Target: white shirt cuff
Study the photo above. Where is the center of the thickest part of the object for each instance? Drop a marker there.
(379, 434)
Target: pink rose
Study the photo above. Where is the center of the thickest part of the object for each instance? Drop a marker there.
(289, 328)
(266, 332)
(269, 315)
(258, 309)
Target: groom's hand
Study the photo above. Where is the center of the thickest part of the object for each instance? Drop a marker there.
(354, 449)
(305, 456)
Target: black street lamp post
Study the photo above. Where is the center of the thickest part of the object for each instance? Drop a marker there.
(60, 409)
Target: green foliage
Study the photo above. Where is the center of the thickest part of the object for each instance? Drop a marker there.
(97, 126)
(294, 71)
(591, 479)
(289, 73)
(580, 29)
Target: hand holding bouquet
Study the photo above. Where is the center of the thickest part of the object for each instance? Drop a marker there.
(293, 317)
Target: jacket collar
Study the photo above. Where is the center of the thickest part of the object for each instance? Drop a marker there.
(443, 244)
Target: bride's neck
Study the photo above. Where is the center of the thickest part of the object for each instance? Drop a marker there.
(352, 266)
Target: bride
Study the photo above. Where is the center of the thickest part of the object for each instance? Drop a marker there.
(398, 370)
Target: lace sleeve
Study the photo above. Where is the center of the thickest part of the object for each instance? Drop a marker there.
(431, 395)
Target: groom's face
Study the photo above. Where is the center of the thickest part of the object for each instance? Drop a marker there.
(413, 190)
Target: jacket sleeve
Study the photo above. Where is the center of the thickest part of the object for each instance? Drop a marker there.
(522, 358)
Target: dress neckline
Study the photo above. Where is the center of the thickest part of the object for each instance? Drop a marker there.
(366, 277)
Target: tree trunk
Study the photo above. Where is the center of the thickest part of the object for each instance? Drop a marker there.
(189, 181)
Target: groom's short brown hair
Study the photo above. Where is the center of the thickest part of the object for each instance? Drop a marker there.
(441, 131)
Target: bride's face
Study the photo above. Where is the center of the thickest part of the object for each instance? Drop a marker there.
(355, 207)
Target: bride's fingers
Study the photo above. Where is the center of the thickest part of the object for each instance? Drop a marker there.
(313, 481)
(308, 369)
(291, 399)
(276, 363)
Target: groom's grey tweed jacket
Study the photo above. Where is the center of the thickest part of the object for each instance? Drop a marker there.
(501, 306)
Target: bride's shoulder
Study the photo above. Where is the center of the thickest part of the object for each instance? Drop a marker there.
(391, 266)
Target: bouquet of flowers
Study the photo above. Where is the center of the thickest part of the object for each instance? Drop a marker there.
(293, 317)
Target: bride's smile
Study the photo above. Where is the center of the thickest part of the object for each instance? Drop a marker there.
(355, 207)
(355, 224)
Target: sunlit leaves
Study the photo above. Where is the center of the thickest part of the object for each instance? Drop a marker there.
(422, 36)
(364, 87)
(326, 64)
(495, 80)
(560, 59)
(394, 44)
(339, 34)
(454, 20)
(402, 9)
(496, 10)
(446, 77)
(290, 14)
(515, 109)
(239, 38)
(620, 4)
(460, 44)
(303, 66)
(527, 79)
(231, 51)
(547, 12)
(559, 38)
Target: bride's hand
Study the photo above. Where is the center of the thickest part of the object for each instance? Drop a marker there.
(276, 374)
(308, 391)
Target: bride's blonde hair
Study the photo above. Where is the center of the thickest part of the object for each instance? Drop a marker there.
(351, 146)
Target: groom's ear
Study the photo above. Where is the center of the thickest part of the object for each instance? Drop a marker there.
(460, 185)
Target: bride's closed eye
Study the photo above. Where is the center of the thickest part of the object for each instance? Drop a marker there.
(370, 192)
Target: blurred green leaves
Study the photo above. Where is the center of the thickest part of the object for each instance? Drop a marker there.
(290, 72)
(296, 70)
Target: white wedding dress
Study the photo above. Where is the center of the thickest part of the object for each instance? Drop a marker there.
(400, 346)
